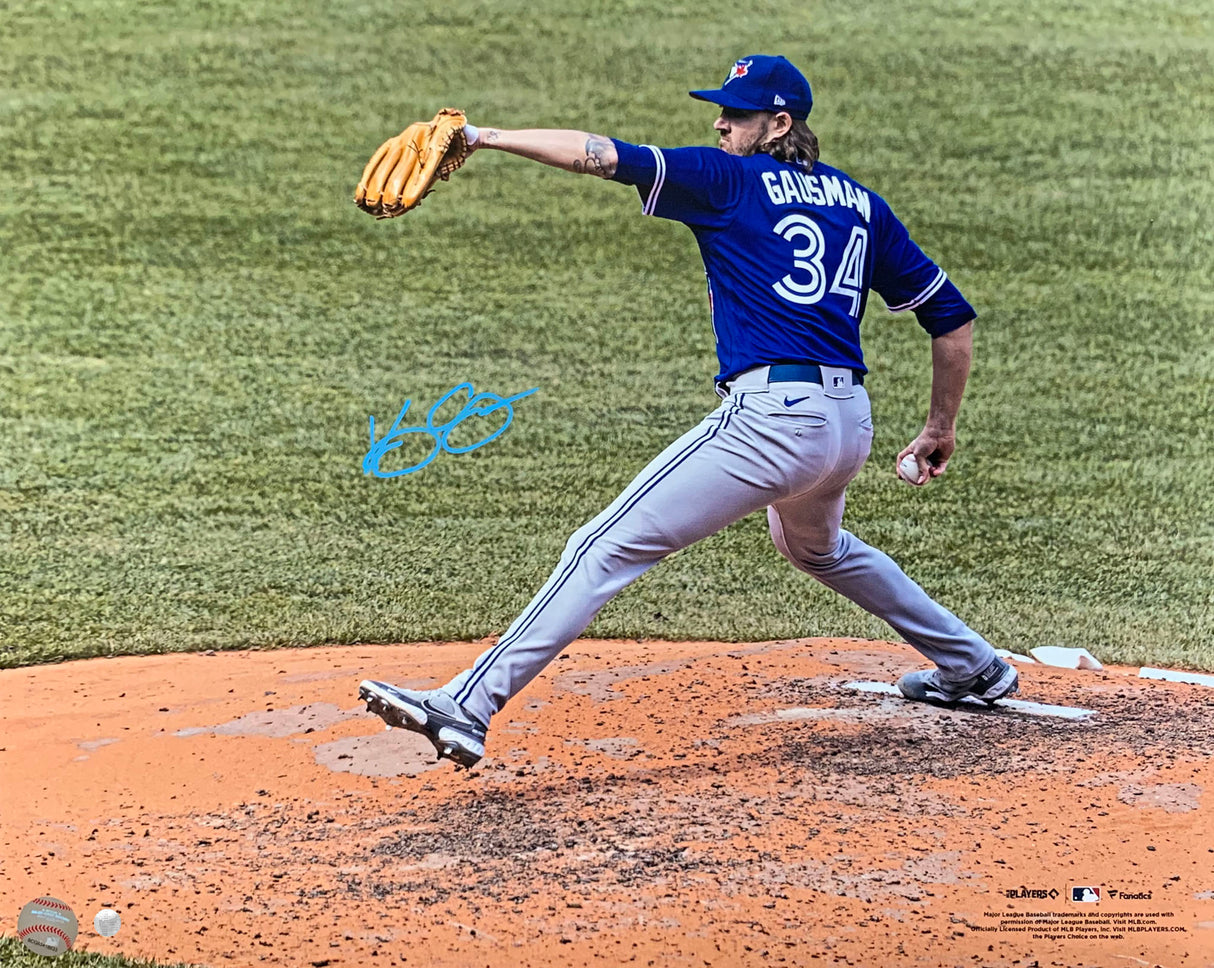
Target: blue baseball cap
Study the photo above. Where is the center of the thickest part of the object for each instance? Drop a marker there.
(762, 82)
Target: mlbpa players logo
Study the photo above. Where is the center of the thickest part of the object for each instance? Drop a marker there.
(739, 69)
(1089, 895)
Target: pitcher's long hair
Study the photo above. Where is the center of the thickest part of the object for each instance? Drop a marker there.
(797, 144)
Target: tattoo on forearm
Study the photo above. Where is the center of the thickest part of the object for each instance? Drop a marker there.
(601, 158)
(491, 136)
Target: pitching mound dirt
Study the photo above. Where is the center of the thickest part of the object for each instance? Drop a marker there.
(650, 803)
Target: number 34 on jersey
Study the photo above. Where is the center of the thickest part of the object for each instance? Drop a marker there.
(806, 285)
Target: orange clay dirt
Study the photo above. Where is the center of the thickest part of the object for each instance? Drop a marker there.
(648, 803)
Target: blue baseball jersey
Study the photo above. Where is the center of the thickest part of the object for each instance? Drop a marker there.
(790, 254)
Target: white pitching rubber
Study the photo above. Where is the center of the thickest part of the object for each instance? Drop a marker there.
(1193, 678)
(1014, 705)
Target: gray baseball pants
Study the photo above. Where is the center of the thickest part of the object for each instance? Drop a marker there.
(790, 447)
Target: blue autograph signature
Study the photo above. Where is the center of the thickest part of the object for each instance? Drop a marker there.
(475, 407)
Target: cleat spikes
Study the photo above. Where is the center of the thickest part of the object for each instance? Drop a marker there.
(455, 734)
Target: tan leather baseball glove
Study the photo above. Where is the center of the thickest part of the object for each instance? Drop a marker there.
(404, 169)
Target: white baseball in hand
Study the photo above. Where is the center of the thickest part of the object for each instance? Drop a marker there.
(908, 469)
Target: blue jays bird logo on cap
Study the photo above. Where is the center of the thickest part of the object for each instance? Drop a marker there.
(764, 82)
(739, 69)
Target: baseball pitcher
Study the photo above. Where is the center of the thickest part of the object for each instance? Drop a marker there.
(792, 247)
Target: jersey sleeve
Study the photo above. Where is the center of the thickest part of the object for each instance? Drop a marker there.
(908, 280)
(697, 186)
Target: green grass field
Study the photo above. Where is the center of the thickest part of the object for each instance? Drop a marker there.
(195, 322)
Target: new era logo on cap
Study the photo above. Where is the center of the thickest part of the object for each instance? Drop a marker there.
(778, 101)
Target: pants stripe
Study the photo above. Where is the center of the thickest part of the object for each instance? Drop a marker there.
(588, 541)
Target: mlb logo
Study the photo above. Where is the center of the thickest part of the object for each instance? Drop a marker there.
(1085, 895)
(838, 382)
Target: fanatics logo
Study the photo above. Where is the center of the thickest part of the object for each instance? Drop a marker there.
(739, 69)
(1088, 895)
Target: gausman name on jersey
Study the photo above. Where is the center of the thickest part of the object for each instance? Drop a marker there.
(788, 187)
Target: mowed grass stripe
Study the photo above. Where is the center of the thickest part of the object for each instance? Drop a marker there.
(195, 322)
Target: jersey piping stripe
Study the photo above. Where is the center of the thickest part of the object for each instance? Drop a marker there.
(658, 181)
(529, 617)
(924, 296)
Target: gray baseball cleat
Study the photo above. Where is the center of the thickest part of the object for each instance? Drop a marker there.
(455, 734)
(997, 681)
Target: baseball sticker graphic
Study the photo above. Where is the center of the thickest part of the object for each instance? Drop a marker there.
(47, 926)
(107, 921)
